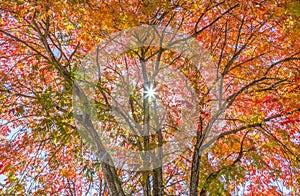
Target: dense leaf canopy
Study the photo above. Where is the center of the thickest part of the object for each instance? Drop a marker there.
(253, 46)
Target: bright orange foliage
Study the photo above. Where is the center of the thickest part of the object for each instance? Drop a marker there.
(254, 47)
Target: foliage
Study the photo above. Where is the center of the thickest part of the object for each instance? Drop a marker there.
(254, 45)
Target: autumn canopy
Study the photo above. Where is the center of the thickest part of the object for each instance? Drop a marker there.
(150, 97)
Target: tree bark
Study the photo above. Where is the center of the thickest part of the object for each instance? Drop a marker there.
(112, 180)
(195, 170)
(158, 189)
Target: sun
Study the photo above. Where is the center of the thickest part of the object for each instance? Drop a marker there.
(150, 92)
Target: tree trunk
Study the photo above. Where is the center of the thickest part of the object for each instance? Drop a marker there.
(195, 170)
(158, 189)
(194, 179)
(112, 180)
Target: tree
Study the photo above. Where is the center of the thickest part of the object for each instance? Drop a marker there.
(245, 122)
